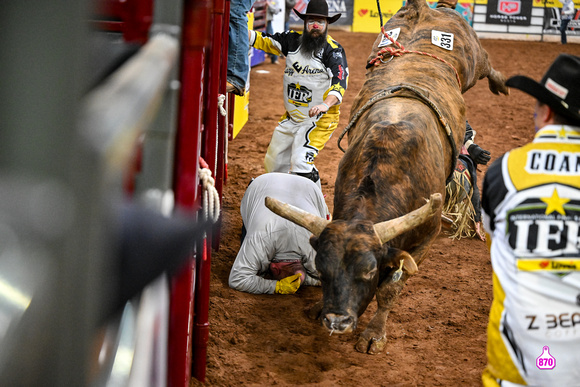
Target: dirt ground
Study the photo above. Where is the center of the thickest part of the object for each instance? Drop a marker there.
(437, 331)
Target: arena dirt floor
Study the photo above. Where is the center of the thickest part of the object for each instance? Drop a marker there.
(437, 331)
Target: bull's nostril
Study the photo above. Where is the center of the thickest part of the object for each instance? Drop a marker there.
(345, 323)
(339, 323)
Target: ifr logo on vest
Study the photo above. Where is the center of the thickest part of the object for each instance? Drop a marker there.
(299, 95)
(546, 227)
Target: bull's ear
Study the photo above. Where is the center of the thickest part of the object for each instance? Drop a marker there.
(409, 264)
(314, 242)
(395, 256)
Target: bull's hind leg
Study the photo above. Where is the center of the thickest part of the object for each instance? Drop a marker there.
(374, 337)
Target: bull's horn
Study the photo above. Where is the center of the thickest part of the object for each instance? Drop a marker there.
(393, 228)
(314, 224)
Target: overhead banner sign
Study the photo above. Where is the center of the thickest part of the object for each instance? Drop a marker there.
(366, 17)
(509, 12)
(464, 7)
(344, 7)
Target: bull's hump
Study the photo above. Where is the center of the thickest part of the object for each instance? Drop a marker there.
(416, 36)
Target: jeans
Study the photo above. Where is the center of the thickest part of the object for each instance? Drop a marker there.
(563, 28)
(239, 44)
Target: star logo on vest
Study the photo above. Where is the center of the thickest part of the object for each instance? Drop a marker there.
(562, 133)
(555, 203)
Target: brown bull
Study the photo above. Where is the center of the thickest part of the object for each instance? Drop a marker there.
(407, 126)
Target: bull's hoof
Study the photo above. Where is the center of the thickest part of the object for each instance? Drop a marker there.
(313, 313)
(371, 345)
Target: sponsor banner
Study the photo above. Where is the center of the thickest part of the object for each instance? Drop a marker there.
(509, 12)
(465, 8)
(535, 3)
(344, 7)
(366, 17)
(552, 265)
(553, 3)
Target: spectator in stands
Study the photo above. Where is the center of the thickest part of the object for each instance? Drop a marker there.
(567, 15)
(531, 210)
(272, 9)
(275, 255)
(238, 47)
(315, 80)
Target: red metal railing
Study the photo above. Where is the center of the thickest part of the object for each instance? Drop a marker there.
(201, 135)
(213, 140)
(131, 17)
(195, 40)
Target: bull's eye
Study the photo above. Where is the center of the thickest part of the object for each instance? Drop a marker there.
(369, 275)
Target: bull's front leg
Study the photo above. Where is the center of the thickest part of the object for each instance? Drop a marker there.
(314, 311)
(374, 338)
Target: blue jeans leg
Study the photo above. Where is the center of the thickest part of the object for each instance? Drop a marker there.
(563, 28)
(239, 45)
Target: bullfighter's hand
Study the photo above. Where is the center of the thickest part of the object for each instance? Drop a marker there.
(480, 156)
(479, 231)
(318, 109)
(288, 285)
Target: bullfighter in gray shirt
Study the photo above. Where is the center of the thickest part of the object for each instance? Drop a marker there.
(273, 247)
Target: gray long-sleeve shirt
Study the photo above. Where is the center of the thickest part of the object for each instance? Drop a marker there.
(270, 236)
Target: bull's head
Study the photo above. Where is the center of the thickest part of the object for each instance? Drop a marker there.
(352, 258)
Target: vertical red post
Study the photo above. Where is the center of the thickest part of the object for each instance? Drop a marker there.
(210, 141)
(222, 122)
(221, 169)
(195, 40)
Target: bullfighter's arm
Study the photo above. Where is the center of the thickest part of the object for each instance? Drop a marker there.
(251, 261)
(335, 60)
(329, 101)
(276, 44)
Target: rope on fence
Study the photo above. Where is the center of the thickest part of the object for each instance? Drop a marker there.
(211, 199)
(221, 100)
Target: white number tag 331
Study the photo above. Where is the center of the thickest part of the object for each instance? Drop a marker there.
(442, 39)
